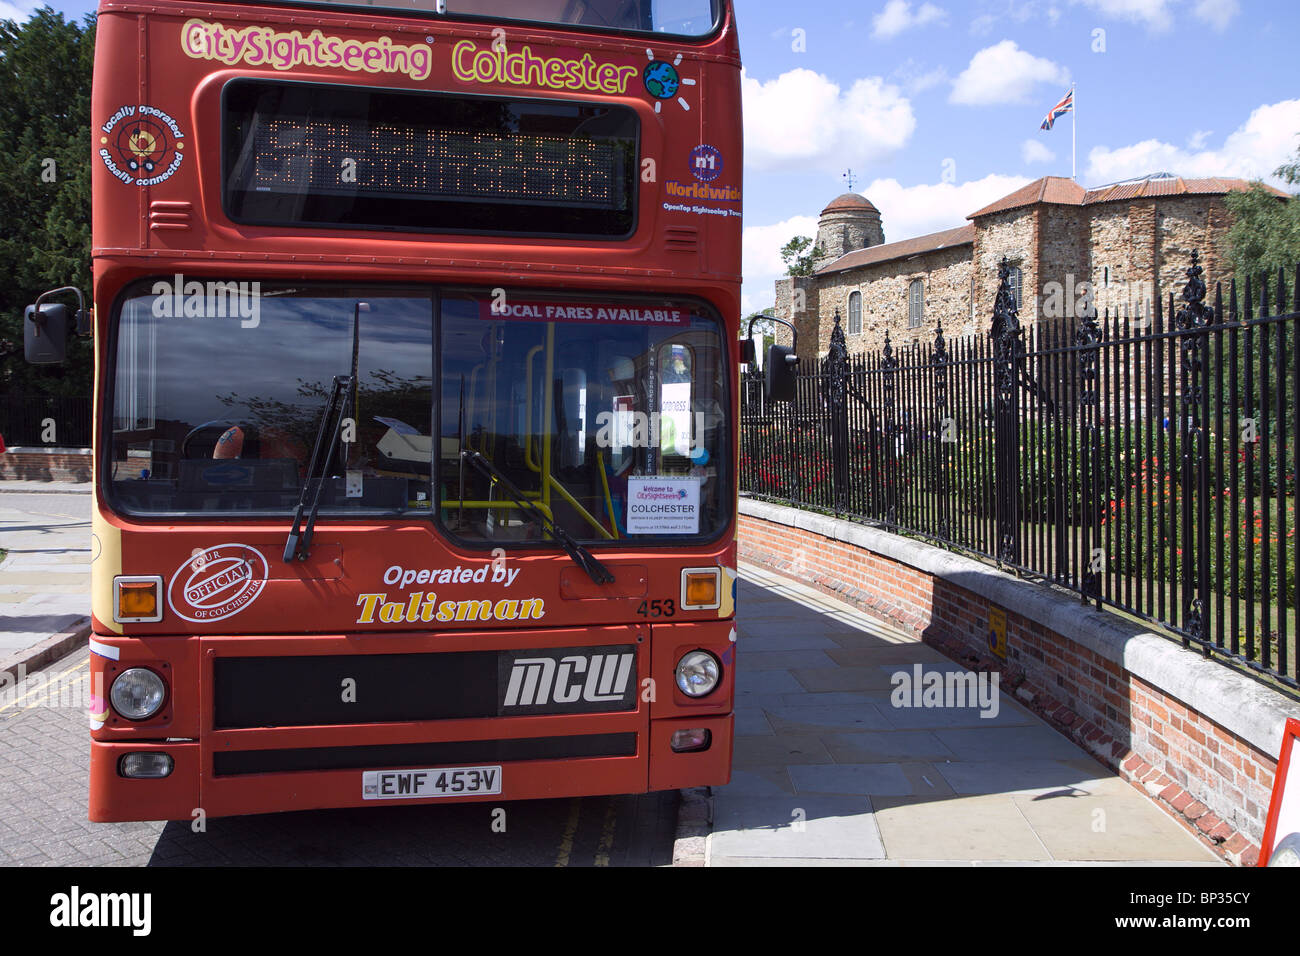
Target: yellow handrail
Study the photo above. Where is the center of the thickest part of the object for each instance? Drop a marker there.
(609, 503)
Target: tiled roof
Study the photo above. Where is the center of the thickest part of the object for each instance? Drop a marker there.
(961, 236)
(1148, 187)
(1053, 189)
(850, 201)
(1057, 189)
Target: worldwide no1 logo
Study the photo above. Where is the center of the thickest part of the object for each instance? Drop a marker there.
(217, 583)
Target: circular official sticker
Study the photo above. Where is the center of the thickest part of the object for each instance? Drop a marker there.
(706, 163)
(141, 145)
(217, 582)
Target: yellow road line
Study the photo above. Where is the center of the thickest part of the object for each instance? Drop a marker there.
(607, 834)
(570, 828)
(43, 687)
(57, 689)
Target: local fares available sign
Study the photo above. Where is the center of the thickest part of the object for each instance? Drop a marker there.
(609, 314)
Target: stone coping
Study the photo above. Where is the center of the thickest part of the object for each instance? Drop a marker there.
(45, 450)
(1241, 705)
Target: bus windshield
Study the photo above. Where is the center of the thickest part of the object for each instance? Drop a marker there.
(609, 413)
(686, 18)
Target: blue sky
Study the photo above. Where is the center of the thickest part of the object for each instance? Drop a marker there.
(936, 104)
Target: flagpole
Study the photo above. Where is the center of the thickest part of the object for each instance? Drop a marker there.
(1074, 132)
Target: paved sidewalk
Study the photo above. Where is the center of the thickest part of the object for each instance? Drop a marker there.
(828, 771)
(45, 577)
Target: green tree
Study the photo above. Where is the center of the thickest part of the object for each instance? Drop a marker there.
(1265, 234)
(797, 261)
(45, 69)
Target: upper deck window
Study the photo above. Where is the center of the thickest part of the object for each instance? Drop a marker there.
(683, 18)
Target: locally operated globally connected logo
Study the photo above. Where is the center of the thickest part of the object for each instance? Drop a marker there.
(217, 583)
(141, 145)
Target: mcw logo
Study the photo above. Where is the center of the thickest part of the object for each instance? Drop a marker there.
(571, 679)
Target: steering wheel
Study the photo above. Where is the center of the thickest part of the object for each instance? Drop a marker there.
(250, 433)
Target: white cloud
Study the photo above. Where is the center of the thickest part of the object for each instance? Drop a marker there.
(1155, 14)
(1158, 15)
(1199, 138)
(909, 211)
(897, 16)
(1217, 13)
(18, 11)
(1265, 141)
(1032, 151)
(1004, 73)
(1018, 11)
(803, 120)
(914, 78)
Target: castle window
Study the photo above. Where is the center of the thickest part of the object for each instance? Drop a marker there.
(855, 313)
(915, 303)
(1014, 277)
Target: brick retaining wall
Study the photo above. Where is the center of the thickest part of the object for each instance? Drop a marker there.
(45, 464)
(1197, 737)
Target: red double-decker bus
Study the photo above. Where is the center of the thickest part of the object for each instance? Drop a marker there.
(416, 401)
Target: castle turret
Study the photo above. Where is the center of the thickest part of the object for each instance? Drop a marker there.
(849, 223)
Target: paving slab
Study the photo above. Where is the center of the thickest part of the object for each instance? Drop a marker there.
(1108, 827)
(794, 828)
(971, 828)
(871, 779)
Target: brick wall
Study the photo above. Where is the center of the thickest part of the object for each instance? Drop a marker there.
(59, 464)
(1205, 775)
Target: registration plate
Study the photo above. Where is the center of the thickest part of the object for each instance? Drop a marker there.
(436, 782)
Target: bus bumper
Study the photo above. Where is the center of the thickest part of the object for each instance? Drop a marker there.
(192, 790)
(283, 765)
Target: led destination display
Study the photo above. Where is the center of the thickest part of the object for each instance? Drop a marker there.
(344, 156)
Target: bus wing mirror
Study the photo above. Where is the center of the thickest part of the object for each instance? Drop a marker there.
(747, 356)
(782, 361)
(45, 334)
(46, 325)
(779, 374)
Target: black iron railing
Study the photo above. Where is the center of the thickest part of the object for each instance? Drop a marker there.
(1147, 464)
(45, 420)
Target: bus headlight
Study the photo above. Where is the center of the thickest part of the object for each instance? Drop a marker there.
(698, 673)
(138, 693)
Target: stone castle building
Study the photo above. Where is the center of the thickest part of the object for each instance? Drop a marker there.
(1126, 240)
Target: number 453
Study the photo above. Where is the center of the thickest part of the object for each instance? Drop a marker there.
(664, 608)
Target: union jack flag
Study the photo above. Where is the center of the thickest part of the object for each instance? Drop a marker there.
(1059, 110)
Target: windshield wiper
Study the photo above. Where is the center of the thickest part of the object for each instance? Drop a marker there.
(580, 555)
(298, 545)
